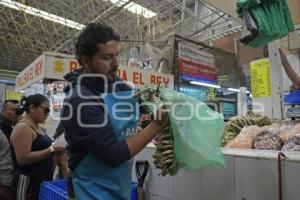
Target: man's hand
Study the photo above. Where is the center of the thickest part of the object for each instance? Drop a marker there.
(162, 119)
(58, 149)
(139, 141)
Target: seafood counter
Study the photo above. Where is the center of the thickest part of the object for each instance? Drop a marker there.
(252, 167)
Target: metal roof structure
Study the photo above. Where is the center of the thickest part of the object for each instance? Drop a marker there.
(24, 35)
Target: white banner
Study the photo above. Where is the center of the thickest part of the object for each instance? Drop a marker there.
(31, 74)
(57, 65)
(190, 53)
(49, 65)
(54, 66)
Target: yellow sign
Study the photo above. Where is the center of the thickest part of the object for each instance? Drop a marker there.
(59, 66)
(12, 95)
(260, 78)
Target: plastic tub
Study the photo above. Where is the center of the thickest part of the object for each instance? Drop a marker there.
(57, 190)
(134, 191)
(54, 190)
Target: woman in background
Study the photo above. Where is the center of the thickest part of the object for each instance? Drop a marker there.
(33, 148)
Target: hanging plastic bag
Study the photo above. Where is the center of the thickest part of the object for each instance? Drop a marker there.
(273, 20)
(197, 131)
(250, 30)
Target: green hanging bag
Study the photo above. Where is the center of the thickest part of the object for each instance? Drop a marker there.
(197, 131)
(273, 18)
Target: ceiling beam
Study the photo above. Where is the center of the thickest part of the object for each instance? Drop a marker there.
(98, 18)
(228, 6)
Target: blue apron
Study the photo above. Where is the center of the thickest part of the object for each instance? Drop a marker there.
(93, 179)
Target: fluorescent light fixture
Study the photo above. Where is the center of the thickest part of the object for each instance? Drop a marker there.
(135, 8)
(233, 89)
(236, 90)
(205, 84)
(40, 13)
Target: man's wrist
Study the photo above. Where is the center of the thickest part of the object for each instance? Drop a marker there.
(156, 127)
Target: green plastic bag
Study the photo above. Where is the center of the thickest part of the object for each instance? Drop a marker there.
(197, 131)
(273, 19)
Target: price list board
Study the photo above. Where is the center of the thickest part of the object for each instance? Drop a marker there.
(12, 95)
(260, 78)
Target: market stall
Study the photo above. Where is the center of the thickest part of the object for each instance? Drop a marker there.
(201, 74)
(261, 151)
(237, 135)
(264, 166)
(249, 174)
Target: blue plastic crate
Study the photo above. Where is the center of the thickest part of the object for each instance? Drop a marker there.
(57, 190)
(293, 98)
(54, 190)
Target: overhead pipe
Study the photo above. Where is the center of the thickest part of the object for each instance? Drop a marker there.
(229, 7)
(192, 41)
(9, 71)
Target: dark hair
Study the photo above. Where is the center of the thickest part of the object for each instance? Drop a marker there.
(9, 101)
(35, 100)
(88, 39)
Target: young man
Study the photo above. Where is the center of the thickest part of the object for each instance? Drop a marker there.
(8, 118)
(100, 154)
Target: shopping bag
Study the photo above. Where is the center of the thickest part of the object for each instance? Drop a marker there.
(197, 131)
(250, 30)
(272, 17)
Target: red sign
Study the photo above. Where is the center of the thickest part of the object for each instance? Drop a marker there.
(196, 71)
